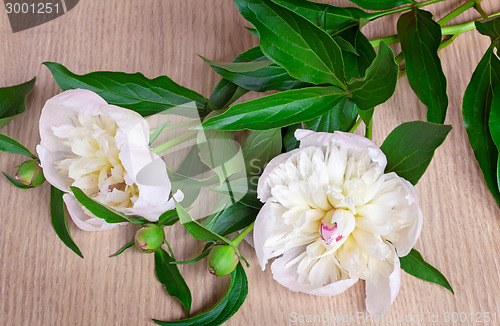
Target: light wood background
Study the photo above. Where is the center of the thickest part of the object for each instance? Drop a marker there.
(44, 283)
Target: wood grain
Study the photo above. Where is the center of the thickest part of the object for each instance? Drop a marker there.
(44, 283)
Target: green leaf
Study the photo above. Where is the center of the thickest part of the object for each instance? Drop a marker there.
(225, 308)
(243, 190)
(108, 214)
(269, 77)
(341, 117)
(168, 274)
(59, 220)
(259, 148)
(17, 183)
(251, 55)
(134, 91)
(366, 115)
(355, 65)
(157, 132)
(249, 199)
(476, 111)
(197, 230)
(13, 101)
(345, 46)
(168, 218)
(303, 49)
(381, 4)
(415, 265)
(225, 93)
(289, 141)
(330, 18)
(122, 249)
(379, 83)
(185, 178)
(217, 150)
(239, 67)
(494, 125)
(252, 30)
(489, 27)
(410, 146)
(10, 145)
(278, 110)
(420, 38)
(272, 77)
(232, 219)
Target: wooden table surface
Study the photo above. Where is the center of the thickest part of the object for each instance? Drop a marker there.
(44, 283)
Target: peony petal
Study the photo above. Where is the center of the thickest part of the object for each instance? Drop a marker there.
(285, 272)
(266, 224)
(381, 294)
(372, 244)
(178, 196)
(311, 138)
(47, 160)
(263, 188)
(147, 170)
(376, 218)
(152, 213)
(131, 125)
(408, 236)
(60, 110)
(345, 140)
(84, 221)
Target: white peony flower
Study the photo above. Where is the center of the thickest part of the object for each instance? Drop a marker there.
(332, 217)
(104, 150)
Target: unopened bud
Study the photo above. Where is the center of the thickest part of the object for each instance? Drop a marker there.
(222, 260)
(30, 173)
(149, 237)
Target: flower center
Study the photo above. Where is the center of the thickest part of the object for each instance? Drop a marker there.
(336, 226)
(93, 161)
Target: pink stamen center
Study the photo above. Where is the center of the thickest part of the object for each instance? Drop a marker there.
(328, 233)
(119, 186)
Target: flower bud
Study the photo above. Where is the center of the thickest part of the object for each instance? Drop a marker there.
(30, 173)
(222, 260)
(149, 237)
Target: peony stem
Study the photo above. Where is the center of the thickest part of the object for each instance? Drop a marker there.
(479, 9)
(242, 235)
(162, 127)
(174, 142)
(446, 19)
(356, 125)
(405, 8)
(189, 123)
(390, 39)
(447, 30)
(168, 126)
(368, 133)
(426, 3)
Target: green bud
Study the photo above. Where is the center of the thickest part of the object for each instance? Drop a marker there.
(149, 237)
(30, 173)
(222, 260)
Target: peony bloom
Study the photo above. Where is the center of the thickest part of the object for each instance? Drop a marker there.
(332, 216)
(104, 150)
